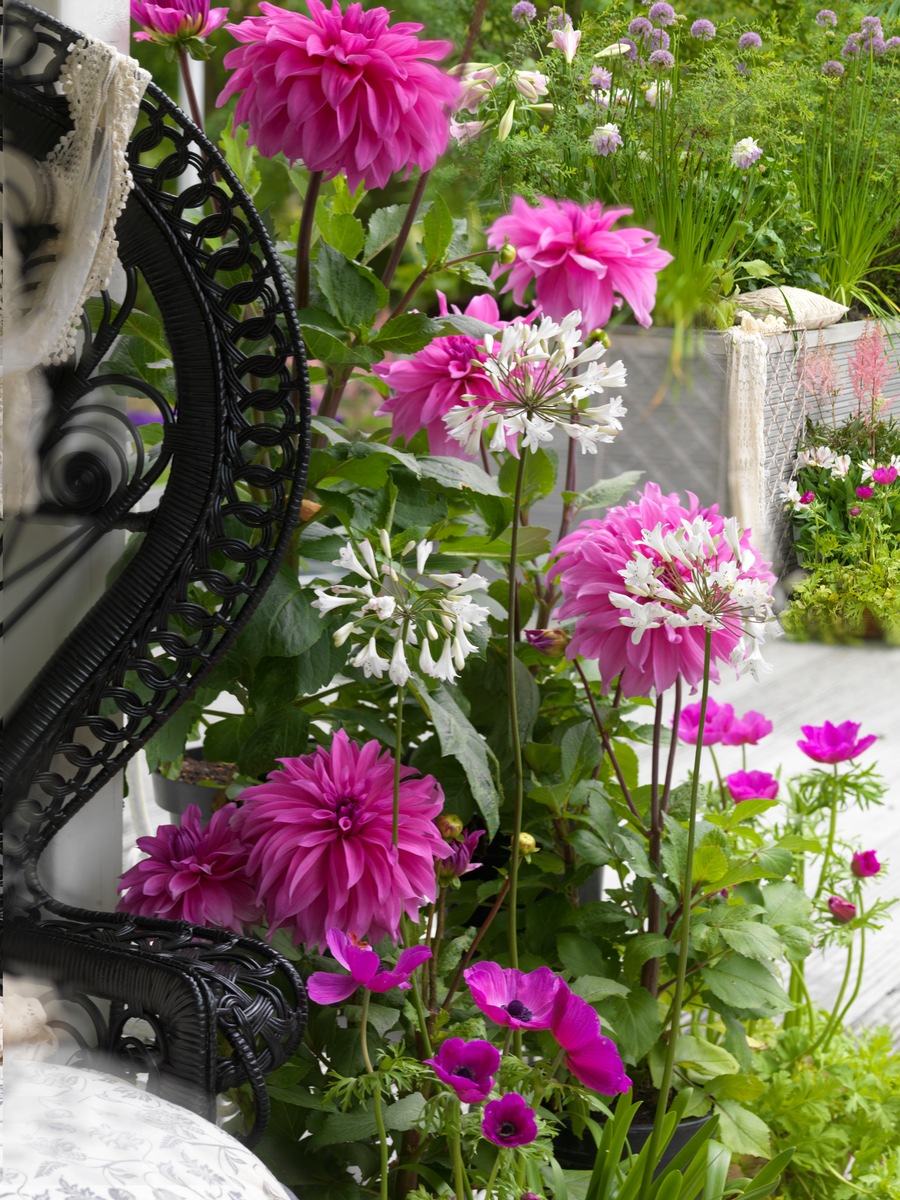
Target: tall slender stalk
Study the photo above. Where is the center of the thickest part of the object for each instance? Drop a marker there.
(832, 830)
(399, 245)
(304, 239)
(511, 639)
(189, 89)
(376, 1096)
(398, 744)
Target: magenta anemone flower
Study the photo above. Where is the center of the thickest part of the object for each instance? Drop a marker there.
(467, 1067)
(176, 20)
(365, 970)
(719, 721)
(341, 91)
(436, 379)
(460, 860)
(884, 475)
(830, 743)
(509, 997)
(656, 645)
(193, 874)
(509, 1121)
(842, 910)
(747, 730)
(578, 261)
(591, 1058)
(864, 492)
(319, 830)
(751, 785)
(865, 864)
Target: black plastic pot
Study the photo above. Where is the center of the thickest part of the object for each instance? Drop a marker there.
(578, 1154)
(174, 795)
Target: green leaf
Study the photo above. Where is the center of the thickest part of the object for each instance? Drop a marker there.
(636, 1021)
(344, 232)
(752, 939)
(381, 1017)
(533, 541)
(743, 1130)
(538, 478)
(595, 987)
(384, 226)
(339, 1128)
(579, 955)
(343, 200)
(703, 1059)
(786, 903)
(353, 293)
(710, 864)
(284, 624)
(405, 334)
(470, 326)
(606, 492)
(581, 751)
(459, 739)
(755, 269)
(240, 156)
(458, 474)
(283, 735)
(775, 861)
(736, 1087)
(437, 227)
(642, 947)
(746, 985)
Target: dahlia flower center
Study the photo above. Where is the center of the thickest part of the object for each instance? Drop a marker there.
(346, 812)
(517, 1009)
(461, 349)
(194, 867)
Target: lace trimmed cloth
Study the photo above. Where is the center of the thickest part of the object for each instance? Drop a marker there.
(86, 181)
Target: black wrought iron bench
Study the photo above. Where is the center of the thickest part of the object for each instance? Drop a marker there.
(209, 512)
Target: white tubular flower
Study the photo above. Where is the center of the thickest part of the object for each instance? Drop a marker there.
(530, 84)
(326, 602)
(347, 559)
(444, 668)
(370, 661)
(399, 671)
(382, 606)
(423, 553)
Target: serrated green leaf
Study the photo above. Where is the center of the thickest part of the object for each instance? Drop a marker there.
(240, 156)
(594, 987)
(607, 491)
(636, 1020)
(384, 226)
(470, 326)
(581, 751)
(753, 939)
(743, 1130)
(736, 1087)
(405, 334)
(353, 293)
(641, 948)
(344, 232)
(703, 1059)
(710, 864)
(747, 986)
(458, 474)
(533, 541)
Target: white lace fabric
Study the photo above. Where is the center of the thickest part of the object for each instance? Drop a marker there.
(89, 181)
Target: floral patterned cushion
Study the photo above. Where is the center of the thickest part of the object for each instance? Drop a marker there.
(72, 1134)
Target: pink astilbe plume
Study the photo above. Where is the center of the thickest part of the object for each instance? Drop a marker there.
(320, 836)
(341, 91)
(870, 370)
(578, 261)
(818, 377)
(193, 874)
(428, 385)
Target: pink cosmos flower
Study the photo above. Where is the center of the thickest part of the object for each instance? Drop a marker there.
(365, 970)
(577, 260)
(751, 785)
(842, 910)
(591, 1058)
(865, 864)
(590, 563)
(509, 997)
(719, 720)
(884, 475)
(509, 1121)
(193, 874)
(830, 743)
(320, 836)
(467, 1067)
(176, 20)
(435, 380)
(341, 91)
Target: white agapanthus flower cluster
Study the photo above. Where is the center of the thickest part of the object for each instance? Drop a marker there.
(402, 613)
(543, 384)
(698, 578)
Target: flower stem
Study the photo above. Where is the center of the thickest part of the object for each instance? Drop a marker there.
(376, 1095)
(470, 953)
(511, 639)
(398, 743)
(650, 969)
(456, 1150)
(304, 239)
(489, 1189)
(829, 845)
(189, 89)
(397, 252)
(678, 996)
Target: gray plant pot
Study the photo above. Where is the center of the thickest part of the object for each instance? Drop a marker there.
(174, 795)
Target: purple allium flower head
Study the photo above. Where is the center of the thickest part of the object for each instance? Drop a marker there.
(524, 12)
(509, 997)
(461, 859)
(467, 1067)
(703, 30)
(661, 60)
(865, 864)
(745, 153)
(749, 41)
(640, 27)
(606, 139)
(826, 17)
(892, 45)
(850, 48)
(631, 51)
(807, 497)
(557, 19)
(842, 910)
(874, 45)
(871, 26)
(193, 874)
(833, 68)
(600, 78)
(509, 1121)
(865, 492)
(364, 966)
(662, 13)
(751, 785)
(592, 1059)
(719, 721)
(658, 40)
(830, 743)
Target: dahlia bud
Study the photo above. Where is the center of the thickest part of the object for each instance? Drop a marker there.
(527, 844)
(460, 862)
(601, 336)
(551, 642)
(507, 254)
(842, 910)
(451, 826)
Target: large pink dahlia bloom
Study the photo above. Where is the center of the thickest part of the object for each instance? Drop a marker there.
(193, 874)
(590, 565)
(320, 836)
(435, 380)
(578, 261)
(341, 91)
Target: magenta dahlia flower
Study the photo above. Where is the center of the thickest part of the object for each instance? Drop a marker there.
(193, 874)
(578, 261)
(509, 997)
(320, 836)
(842, 910)
(365, 970)
(865, 864)
(341, 91)
(509, 1121)
(467, 1067)
(830, 743)
(591, 1058)
(640, 610)
(428, 385)
(176, 20)
(751, 785)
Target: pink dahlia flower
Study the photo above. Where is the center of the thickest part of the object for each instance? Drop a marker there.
(830, 743)
(177, 20)
(591, 1058)
(365, 970)
(428, 385)
(751, 785)
(341, 91)
(320, 836)
(193, 874)
(578, 261)
(591, 567)
(865, 864)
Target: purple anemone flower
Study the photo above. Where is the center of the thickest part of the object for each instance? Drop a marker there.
(467, 1067)
(364, 966)
(830, 743)
(509, 1121)
(509, 997)
(591, 1058)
